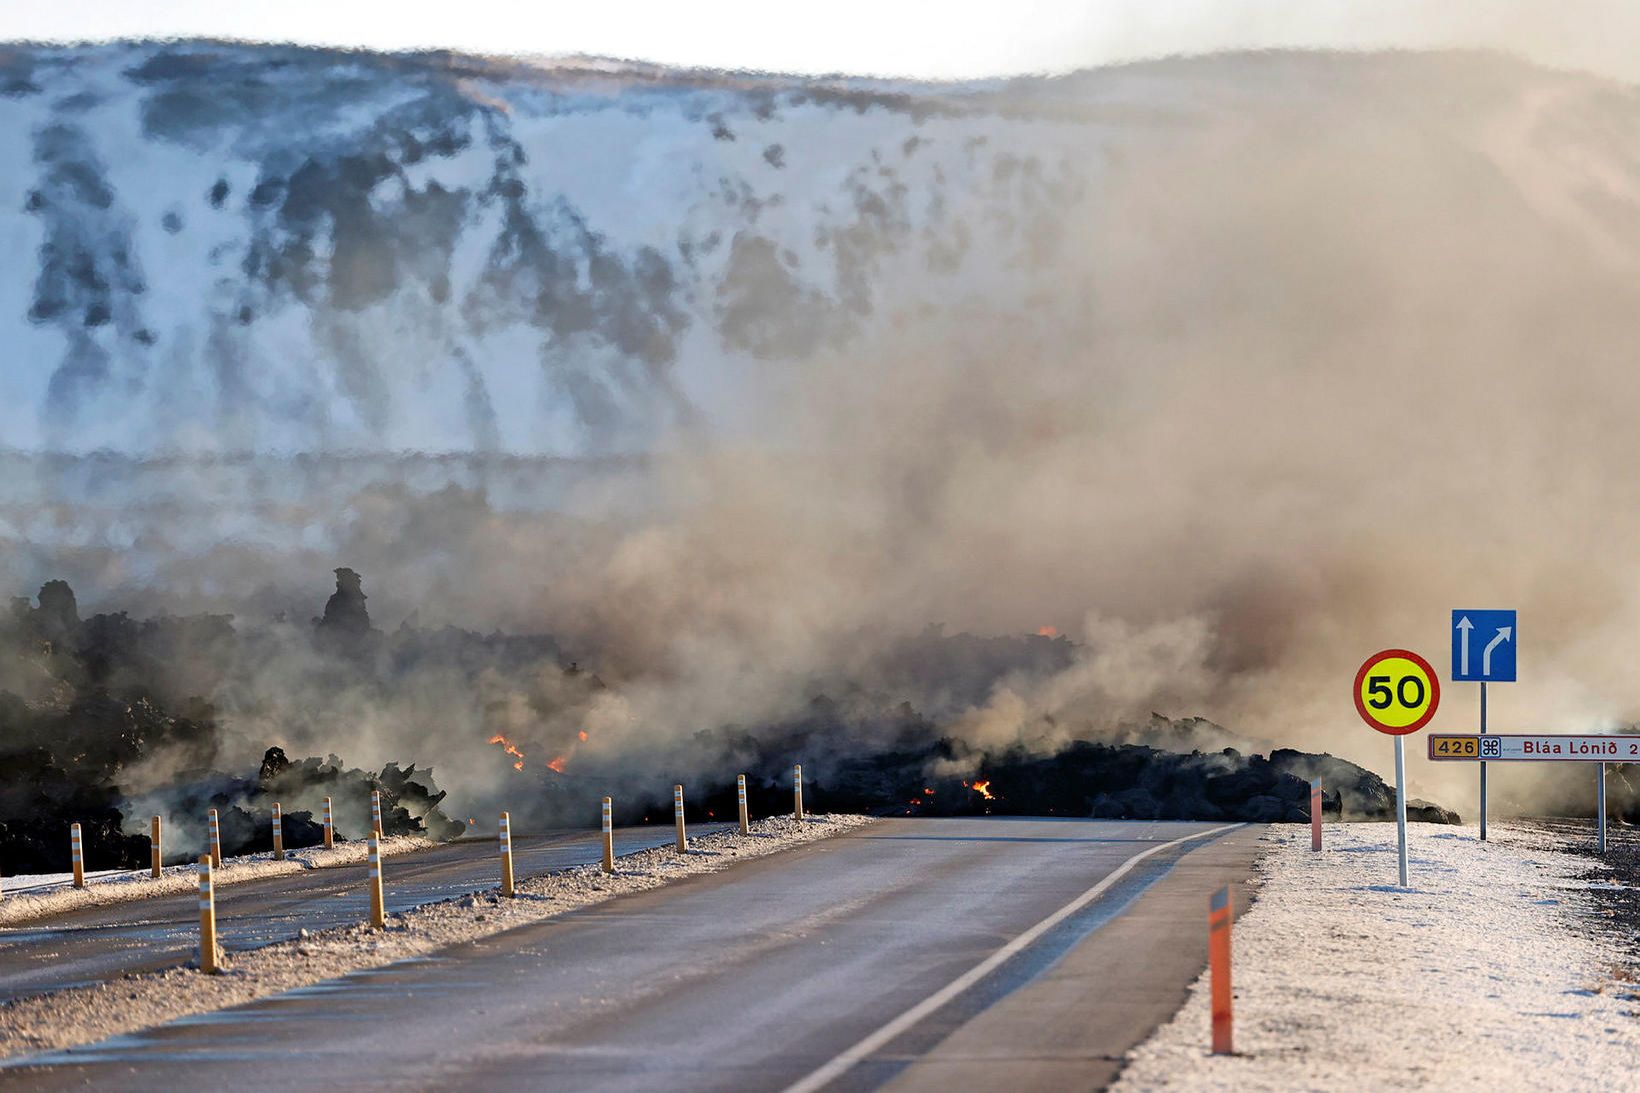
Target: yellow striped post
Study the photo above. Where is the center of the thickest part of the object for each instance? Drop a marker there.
(378, 910)
(797, 791)
(376, 812)
(278, 834)
(677, 817)
(609, 838)
(76, 855)
(506, 855)
(215, 830)
(154, 846)
(745, 817)
(207, 917)
(330, 827)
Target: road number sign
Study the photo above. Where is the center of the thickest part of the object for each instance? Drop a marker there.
(1396, 692)
(1483, 646)
(1454, 747)
(1529, 747)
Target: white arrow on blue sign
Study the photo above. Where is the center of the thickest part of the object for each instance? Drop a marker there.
(1483, 646)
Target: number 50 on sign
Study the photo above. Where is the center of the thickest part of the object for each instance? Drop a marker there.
(1397, 692)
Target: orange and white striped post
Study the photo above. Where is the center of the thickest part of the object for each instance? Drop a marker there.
(745, 817)
(378, 910)
(376, 812)
(215, 830)
(1315, 814)
(154, 854)
(278, 834)
(609, 837)
(207, 917)
(330, 827)
(797, 791)
(506, 855)
(1218, 960)
(677, 818)
(76, 855)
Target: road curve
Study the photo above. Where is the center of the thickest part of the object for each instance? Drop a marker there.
(754, 978)
(115, 939)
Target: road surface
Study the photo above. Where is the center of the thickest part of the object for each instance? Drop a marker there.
(117, 939)
(774, 974)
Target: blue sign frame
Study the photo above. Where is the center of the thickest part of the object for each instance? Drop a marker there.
(1483, 646)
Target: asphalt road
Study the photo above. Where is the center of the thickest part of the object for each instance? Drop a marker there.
(912, 954)
(117, 939)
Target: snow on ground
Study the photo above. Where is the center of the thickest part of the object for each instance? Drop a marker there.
(84, 1014)
(1491, 972)
(30, 897)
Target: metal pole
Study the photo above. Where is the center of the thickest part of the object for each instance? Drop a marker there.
(1600, 805)
(1483, 763)
(1401, 802)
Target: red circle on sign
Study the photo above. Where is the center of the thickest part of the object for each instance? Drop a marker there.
(1429, 673)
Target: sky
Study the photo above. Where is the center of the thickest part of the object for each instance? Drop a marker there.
(953, 39)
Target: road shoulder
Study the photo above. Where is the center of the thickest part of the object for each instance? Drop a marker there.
(1489, 972)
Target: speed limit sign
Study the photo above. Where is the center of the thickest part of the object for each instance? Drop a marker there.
(1396, 692)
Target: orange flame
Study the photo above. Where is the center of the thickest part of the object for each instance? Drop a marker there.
(510, 749)
(557, 764)
(583, 735)
(984, 789)
(1048, 632)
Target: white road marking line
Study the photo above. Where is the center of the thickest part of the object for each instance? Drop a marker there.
(845, 1061)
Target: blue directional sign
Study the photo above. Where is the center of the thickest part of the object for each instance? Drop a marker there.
(1483, 646)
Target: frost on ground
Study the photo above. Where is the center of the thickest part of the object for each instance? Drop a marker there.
(1492, 971)
(27, 898)
(84, 1014)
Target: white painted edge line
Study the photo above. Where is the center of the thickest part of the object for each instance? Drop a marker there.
(845, 1061)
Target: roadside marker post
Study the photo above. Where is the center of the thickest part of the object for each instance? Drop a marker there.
(1483, 651)
(609, 837)
(378, 911)
(376, 812)
(214, 828)
(797, 791)
(154, 854)
(1218, 959)
(278, 834)
(76, 855)
(505, 839)
(330, 827)
(677, 817)
(740, 794)
(1315, 814)
(207, 918)
(1397, 693)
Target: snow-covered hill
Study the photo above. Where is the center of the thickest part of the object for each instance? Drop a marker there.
(235, 248)
(226, 247)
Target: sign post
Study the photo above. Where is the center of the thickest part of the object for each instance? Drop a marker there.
(1493, 661)
(1396, 693)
